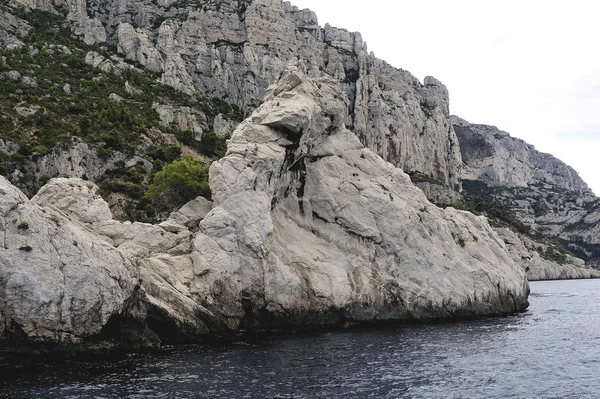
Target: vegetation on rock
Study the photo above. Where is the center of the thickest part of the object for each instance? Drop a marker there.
(56, 97)
(179, 182)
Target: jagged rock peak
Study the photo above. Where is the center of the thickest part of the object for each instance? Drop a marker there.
(235, 49)
(308, 229)
(493, 157)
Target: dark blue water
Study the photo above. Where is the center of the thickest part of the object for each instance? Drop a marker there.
(551, 351)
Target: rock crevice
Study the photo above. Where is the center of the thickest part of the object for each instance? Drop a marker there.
(258, 259)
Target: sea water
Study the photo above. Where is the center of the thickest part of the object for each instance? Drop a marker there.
(550, 351)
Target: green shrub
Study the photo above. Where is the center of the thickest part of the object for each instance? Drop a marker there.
(179, 182)
(41, 149)
(23, 226)
(26, 248)
(168, 154)
(43, 179)
(212, 145)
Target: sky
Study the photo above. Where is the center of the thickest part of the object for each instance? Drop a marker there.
(529, 67)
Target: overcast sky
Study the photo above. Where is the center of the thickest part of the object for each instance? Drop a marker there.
(529, 67)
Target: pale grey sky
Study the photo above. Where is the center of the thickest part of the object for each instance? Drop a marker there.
(530, 67)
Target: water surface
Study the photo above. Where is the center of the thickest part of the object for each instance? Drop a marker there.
(551, 351)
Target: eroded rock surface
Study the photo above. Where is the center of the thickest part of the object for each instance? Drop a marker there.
(308, 229)
(58, 282)
(543, 191)
(235, 49)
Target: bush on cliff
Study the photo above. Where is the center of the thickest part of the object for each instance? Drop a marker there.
(179, 182)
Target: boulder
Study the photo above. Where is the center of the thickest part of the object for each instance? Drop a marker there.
(76, 198)
(58, 282)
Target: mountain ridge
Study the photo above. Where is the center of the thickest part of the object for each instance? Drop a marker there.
(541, 190)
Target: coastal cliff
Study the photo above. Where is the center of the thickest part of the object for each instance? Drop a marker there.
(308, 229)
(233, 50)
(322, 208)
(547, 196)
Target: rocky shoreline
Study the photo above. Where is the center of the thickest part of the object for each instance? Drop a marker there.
(308, 229)
(323, 212)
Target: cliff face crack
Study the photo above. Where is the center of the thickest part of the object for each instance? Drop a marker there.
(6, 221)
(302, 276)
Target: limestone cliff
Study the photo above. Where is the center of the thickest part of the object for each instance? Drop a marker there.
(308, 228)
(541, 190)
(543, 262)
(493, 157)
(234, 49)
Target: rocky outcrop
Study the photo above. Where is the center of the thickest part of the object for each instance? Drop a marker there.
(493, 157)
(74, 159)
(185, 118)
(235, 49)
(58, 282)
(113, 64)
(542, 191)
(11, 29)
(308, 229)
(532, 257)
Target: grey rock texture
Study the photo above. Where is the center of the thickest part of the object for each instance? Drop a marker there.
(186, 119)
(308, 228)
(11, 29)
(75, 197)
(58, 282)
(190, 214)
(526, 253)
(235, 49)
(543, 191)
(76, 159)
(109, 65)
(497, 159)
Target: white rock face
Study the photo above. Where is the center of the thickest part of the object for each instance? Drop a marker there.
(191, 214)
(58, 282)
(311, 228)
(543, 191)
(76, 198)
(308, 228)
(525, 253)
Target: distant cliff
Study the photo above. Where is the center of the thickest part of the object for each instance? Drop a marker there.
(542, 191)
